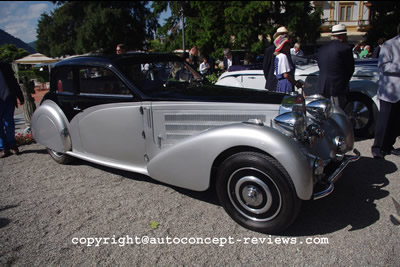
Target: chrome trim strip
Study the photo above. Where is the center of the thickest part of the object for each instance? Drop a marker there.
(108, 163)
(336, 175)
(107, 96)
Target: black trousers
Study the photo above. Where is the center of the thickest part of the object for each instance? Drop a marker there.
(387, 127)
(339, 100)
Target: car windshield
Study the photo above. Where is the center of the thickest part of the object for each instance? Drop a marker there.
(155, 77)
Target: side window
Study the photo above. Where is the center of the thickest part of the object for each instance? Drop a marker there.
(97, 80)
(148, 76)
(64, 81)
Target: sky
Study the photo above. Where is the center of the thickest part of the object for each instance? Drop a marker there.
(20, 18)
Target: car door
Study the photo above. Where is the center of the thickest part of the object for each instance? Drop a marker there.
(109, 119)
(64, 87)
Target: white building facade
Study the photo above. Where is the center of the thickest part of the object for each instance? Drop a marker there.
(354, 14)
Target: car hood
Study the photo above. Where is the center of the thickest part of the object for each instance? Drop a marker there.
(214, 93)
(304, 70)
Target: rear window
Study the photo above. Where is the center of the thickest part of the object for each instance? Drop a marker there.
(64, 80)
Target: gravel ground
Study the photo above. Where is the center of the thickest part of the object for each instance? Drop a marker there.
(85, 214)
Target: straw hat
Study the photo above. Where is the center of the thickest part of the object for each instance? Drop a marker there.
(280, 41)
(339, 29)
(279, 31)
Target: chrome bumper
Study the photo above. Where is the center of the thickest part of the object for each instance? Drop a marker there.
(336, 175)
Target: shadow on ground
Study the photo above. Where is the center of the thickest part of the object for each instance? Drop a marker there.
(352, 203)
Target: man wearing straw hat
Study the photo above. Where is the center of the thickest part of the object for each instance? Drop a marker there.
(336, 65)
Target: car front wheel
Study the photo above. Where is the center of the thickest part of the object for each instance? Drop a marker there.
(257, 192)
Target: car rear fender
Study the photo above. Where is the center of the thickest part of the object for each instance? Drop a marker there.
(50, 127)
(368, 88)
(188, 164)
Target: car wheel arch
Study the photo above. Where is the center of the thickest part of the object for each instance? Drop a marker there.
(50, 127)
(226, 154)
(228, 139)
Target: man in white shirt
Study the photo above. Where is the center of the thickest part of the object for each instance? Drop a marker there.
(229, 59)
(204, 67)
(296, 51)
(388, 122)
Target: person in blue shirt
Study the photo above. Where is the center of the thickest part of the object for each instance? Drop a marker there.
(9, 92)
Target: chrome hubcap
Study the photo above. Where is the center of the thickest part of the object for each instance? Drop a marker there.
(254, 194)
(358, 114)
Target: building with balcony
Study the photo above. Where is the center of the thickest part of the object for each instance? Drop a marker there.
(354, 14)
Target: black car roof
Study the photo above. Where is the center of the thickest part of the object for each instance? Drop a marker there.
(104, 60)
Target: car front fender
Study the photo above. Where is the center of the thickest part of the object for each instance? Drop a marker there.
(188, 164)
(50, 127)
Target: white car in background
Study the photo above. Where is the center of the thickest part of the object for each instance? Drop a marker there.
(362, 105)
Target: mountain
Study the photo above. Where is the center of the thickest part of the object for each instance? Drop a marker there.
(6, 38)
(32, 44)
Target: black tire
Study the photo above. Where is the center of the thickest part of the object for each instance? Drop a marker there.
(362, 113)
(60, 158)
(257, 192)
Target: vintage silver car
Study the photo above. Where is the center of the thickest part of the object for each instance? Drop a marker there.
(362, 104)
(153, 114)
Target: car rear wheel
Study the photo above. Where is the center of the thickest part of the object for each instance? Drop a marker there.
(60, 158)
(257, 192)
(362, 113)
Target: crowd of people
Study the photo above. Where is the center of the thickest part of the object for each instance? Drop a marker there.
(336, 67)
(362, 50)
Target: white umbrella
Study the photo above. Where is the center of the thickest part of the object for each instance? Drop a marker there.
(32, 60)
(35, 59)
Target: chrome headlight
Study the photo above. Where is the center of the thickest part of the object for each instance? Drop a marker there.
(293, 103)
(291, 123)
(312, 98)
(340, 143)
(320, 109)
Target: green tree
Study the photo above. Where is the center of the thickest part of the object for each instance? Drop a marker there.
(77, 27)
(170, 33)
(247, 25)
(9, 53)
(385, 16)
(302, 19)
